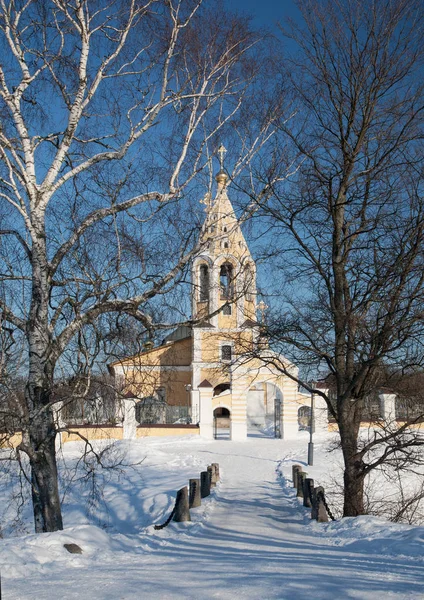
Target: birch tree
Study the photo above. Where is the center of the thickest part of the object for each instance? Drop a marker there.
(108, 111)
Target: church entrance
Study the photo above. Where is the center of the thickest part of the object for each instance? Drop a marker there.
(221, 423)
(264, 410)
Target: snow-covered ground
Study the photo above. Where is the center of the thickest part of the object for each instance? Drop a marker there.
(251, 539)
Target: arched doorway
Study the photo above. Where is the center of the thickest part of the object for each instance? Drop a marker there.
(263, 405)
(222, 423)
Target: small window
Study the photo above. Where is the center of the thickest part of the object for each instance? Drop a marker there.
(225, 230)
(225, 244)
(226, 352)
(227, 309)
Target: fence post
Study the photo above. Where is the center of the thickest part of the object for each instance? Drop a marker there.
(215, 470)
(322, 511)
(211, 476)
(308, 486)
(319, 512)
(182, 512)
(194, 494)
(295, 470)
(301, 476)
(205, 486)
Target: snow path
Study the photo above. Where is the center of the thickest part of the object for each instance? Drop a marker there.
(253, 540)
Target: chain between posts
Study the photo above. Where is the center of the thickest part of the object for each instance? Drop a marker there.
(321, 496)
(169, 519)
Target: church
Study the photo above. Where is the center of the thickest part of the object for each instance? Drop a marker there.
(216, 374)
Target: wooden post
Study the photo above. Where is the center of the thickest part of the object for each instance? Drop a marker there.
(205, 486)
(308, 486)
(314, 502)
(301, 476)
(215, 469)
(319, 512)
(182, 512)
(295, 470)
(194, 495)
(211, 476)
(322, 511)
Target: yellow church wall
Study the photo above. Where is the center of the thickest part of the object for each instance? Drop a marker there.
(216, 375)
(225, 400)
(211, 342)
(166, 367)
(202, 310)
(162, 431)
(228, 321)
(142, 382)
(177, 353)
(103, 432)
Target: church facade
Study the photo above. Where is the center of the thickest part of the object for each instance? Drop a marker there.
(216, 373)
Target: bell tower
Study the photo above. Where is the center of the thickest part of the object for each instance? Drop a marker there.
(223, 291)
(224, 273)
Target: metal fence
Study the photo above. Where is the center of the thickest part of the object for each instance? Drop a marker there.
(160, 413)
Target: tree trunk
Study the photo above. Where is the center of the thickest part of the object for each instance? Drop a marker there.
(45, 489)
(44, 479)
(38, 393)
(353, 476)
(353, 489)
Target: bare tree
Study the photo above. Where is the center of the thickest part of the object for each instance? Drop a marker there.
(343, 213)
(108, 112)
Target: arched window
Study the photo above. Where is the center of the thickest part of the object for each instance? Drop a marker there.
(226, 281)
(204, 283)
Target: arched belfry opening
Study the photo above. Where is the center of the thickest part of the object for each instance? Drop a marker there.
(226, 276)
(204, 283)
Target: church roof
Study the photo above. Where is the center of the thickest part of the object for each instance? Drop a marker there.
(250, 323)
(205, 384)
(180, 333)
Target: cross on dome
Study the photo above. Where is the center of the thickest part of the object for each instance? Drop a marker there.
(221, 177)
(222, 151)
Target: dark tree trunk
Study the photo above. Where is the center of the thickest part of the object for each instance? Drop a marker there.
(353, 476)
(353, 489)
(44, 479)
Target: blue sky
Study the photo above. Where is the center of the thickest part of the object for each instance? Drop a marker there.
(266, 12)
